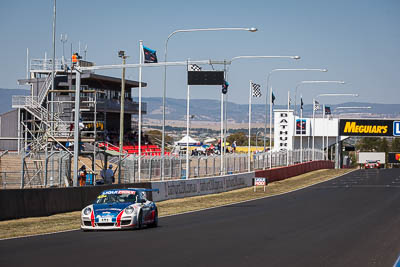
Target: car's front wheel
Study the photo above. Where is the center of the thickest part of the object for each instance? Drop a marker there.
(155, 221)
(140, 220)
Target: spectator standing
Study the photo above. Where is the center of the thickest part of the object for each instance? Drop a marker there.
(109, 175)
(82, 175)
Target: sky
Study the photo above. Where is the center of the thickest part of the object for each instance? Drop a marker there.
(358, 42)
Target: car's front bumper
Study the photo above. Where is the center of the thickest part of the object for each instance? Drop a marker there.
(124, 223)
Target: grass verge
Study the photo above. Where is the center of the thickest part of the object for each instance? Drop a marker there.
(71, 220)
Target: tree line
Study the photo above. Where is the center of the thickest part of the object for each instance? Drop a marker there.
(378, 144)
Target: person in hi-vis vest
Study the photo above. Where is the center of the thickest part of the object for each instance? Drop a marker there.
(75, 58)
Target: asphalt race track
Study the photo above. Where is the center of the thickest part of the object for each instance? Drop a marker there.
(353, 220)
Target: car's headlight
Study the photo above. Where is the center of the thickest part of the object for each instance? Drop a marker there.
(87, 211)
(129, 210)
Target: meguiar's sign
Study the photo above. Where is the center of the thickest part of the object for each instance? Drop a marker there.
(369, 127)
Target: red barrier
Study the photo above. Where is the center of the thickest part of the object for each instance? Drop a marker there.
(281, 173)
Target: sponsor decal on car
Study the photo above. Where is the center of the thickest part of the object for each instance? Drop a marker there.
(104, 219)
(119, 192)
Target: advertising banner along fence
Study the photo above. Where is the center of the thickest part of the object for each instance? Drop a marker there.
(394, 157)
(361, 127)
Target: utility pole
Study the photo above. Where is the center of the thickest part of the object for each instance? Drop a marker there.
(63, 39)
(122, 55)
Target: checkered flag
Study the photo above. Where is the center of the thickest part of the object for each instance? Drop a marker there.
(256, 90)
(316, 105)
(194, 67)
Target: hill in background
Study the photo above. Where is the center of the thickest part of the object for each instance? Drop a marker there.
(209, 109)
(6, 98)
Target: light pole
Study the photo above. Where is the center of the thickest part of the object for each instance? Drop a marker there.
(223, 137)
(313, 130)
(122, 55)
(312, 82)
(63, 40)
(295, 101)
(252, 29)
(270, 107)
(257, 139)
(346, 108)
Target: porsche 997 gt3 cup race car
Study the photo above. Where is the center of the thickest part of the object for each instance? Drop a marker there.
(120, 209)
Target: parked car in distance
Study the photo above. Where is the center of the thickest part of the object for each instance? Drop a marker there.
(372, 164)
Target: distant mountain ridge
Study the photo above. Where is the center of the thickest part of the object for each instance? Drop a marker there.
(209, 109)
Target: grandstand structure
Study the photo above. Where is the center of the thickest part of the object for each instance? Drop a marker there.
(41, 128)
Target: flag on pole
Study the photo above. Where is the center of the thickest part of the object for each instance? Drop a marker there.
(256, 90)
(272, 98)
(316, 105)
(301, 102)
(149, 55)
(327, 110)
(225, 87)
(194, 67)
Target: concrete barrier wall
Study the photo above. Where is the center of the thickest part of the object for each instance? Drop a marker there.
(22, 203)
(282, 173)
(201, 186)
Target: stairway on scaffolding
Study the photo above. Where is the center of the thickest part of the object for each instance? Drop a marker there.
(45, 89)
(31, 104)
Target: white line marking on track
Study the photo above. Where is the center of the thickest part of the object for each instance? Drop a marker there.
(187, 212)
(58, 232)
(397, 263)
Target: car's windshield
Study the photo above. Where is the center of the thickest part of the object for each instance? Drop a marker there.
(116, 198)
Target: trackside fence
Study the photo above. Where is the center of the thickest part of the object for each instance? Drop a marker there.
(56, 170)
(206, 166)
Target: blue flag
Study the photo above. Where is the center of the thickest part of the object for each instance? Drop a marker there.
(327, 110)
(149, 55)
(273, 98)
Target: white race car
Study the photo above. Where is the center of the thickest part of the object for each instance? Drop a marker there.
(120, 209)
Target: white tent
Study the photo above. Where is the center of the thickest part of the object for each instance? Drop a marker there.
(184, 140)
(210, 140)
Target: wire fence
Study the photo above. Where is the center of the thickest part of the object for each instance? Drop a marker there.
(205, 166)
(35, 172)
(57, 171)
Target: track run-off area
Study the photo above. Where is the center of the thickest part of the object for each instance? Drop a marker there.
(352, 220)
